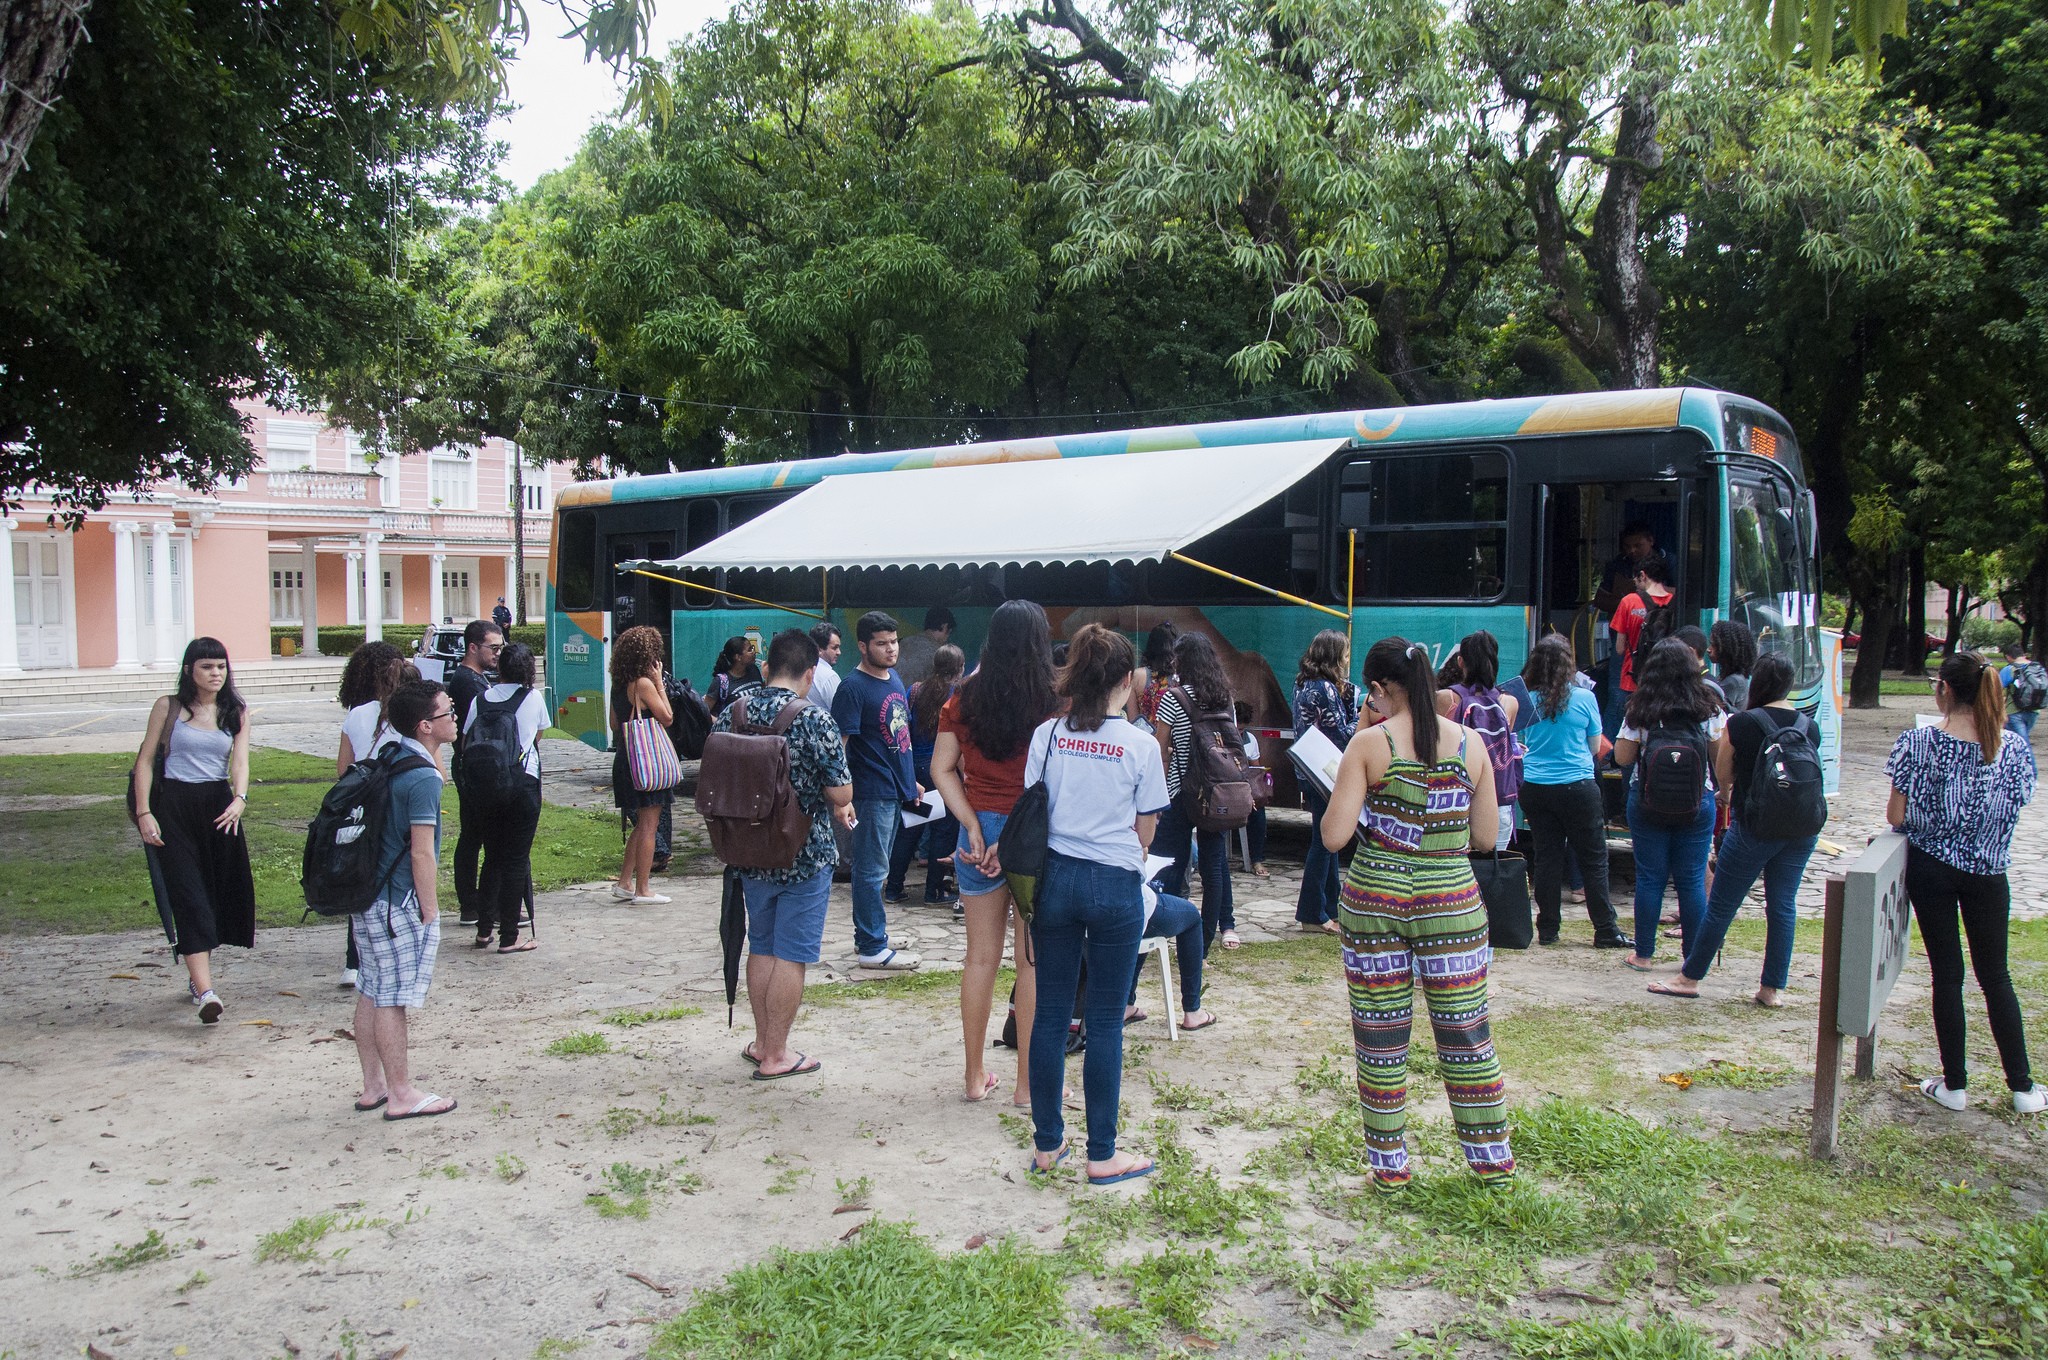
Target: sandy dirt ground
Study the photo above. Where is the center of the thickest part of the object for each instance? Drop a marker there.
(470, 1235)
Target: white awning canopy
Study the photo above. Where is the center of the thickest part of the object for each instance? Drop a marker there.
(1131, 507)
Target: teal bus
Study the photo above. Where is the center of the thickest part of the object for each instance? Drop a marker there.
(1426, 521)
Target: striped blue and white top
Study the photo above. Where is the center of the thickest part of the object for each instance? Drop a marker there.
(1959, 809)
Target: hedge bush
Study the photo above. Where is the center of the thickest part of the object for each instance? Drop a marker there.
(1981, 633)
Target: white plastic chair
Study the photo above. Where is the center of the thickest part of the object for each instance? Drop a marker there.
(1163, 947)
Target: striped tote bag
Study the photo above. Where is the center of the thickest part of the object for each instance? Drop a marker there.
(650, 755)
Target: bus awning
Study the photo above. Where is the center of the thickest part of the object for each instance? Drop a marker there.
(1132, 507)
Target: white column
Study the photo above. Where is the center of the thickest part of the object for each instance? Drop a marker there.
(10, 642)
(436, 600)
(373, 587)
(355, 588)
(126, 653)
(309, 600)
(164, 636)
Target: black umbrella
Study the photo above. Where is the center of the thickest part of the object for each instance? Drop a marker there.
(732, 934)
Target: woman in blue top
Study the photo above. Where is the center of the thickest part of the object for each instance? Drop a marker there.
(1561, 792)
(1325, 699)
(1957, 791)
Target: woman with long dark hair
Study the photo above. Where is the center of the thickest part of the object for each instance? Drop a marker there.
(733, 675)
(978, 768)
(1670, 694)
(1325, 699)
(1155, 673)
(512, 813)
(191, 782)
(1418, 791)
(1561, 793)
(1732, 649)
(637, 690)
(1474, 700)
(1200, 686)
(1957, 791)
(1105, 787)
(373, 671)
(935, 838)
(1749, 851)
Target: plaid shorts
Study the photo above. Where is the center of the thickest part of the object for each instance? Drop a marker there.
(397, 952)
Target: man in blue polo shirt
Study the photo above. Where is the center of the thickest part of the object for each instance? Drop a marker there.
(873, 712)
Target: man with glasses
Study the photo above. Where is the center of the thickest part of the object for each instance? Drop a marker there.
(399, 934)
(482, 640)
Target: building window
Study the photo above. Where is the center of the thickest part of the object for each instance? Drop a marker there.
(287, 595)
(536, 496)
(386, 468)
(456, 600)
(452, 481)
(536, 593)
(289, 445)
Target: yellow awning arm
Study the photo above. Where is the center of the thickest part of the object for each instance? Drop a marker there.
(692, 585)
(1276, 594)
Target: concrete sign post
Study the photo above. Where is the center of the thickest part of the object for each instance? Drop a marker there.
(1864, 939)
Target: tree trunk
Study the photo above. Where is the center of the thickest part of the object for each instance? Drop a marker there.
(36, 43)
(1958, 610)
(1630, 301)
(1916, 613)
(1879, 597)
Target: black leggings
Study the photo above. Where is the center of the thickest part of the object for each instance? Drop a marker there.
(1943, 894)
(507, 829)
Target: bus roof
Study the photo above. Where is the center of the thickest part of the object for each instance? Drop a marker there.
(1663, 408)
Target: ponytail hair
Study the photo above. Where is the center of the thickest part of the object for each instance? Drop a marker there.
(1404, 665)
(1098, 660)
(1972, 683)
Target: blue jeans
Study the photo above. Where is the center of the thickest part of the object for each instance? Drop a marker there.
(1319, 870)
(1179, 920)
(1211, 855)
(2022, 723)
(874, 836)
(1674, 855)
(1743, 858)
(1092, 910)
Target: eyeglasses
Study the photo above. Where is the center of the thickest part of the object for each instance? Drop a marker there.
(445, 713)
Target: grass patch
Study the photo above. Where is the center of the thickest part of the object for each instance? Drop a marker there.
(1609, 1339)
(1994, 1300)
(510, 1167)
(1001, 1300)
(154, 1246)
(630, 1191)
(918, 983)
(582, 1045)
(57, 875)
(1729, 1075)
(635, 1019)
(299, 1242)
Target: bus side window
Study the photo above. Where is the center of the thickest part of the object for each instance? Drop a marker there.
(576, 560)
(1430, 526)
(700, 526)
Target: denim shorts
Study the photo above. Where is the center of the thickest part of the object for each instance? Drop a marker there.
(973, 882)
(787, 920)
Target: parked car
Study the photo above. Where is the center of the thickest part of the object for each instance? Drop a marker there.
(1935, 641)
(440, 647)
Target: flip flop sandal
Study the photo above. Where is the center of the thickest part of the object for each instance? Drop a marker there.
(520, 948)
(1059, 1155)
(483, 941)
(1230, 940)
(1666, 989)
(1147, 1169)
(420, 1111)
(1649, 967)
(747, 1053)
(1186, 1028)
(378, 1103)
(805, 1065)
(988, 1088)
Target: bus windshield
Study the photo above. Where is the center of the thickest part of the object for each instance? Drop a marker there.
(1771, 585)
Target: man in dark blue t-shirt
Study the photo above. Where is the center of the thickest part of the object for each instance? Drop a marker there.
(873, 713)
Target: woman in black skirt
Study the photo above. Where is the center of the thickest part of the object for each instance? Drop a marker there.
(192, 780)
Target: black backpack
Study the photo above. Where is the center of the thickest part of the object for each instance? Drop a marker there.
(2029, 687)
(1785, 800)
(1671, 775)
(1660, 621)
(343, 871)
(1216, 791)
(492, 758)
(692, 722)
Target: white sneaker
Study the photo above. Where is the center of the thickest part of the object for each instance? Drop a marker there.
(620, 894)
(348, 977)
(2033, 1100)
(210, 1007)
(650, 899)
(893, 960)
(1936, 1090)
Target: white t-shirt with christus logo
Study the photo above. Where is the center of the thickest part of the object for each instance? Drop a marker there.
(1099, 783)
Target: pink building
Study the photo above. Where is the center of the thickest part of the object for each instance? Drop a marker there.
(314, 535)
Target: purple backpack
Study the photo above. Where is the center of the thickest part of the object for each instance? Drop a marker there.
(1482, 711)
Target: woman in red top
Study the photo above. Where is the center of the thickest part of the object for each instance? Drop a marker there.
(978, 767)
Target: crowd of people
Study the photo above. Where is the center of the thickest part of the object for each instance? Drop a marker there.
(1112, 773)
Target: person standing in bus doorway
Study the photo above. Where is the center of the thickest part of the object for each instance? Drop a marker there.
(1644, 617)
(1618, 577)
(482, 640)
(1411, 913)
(873, 713)
(914, 656)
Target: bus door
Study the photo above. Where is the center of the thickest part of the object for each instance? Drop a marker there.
(1579, 561)
(637, 599)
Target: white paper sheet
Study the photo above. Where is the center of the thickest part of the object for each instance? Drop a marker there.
(1316, 758)
(934, 807)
